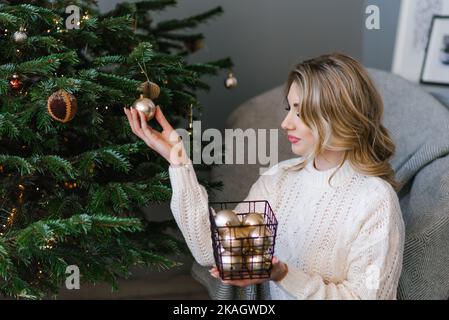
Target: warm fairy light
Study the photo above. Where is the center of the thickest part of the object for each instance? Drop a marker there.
(11, 217)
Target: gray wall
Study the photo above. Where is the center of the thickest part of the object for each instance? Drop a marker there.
(266, 38)
(378, 45)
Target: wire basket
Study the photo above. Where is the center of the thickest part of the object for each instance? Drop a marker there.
(244, 249)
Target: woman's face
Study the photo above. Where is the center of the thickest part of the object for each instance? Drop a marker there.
(299, 135)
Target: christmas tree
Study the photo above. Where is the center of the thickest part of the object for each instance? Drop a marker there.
(73, 178)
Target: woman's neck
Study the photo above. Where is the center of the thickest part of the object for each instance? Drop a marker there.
(328, 159)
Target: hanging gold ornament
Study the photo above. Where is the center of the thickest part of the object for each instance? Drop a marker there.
(15, 82)
(20, 36)
(62, 106)
(145, 105)
(231, 81)
(150, 90)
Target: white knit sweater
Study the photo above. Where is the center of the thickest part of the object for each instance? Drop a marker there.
(343, 241)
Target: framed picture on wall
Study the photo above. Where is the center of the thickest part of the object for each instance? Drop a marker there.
(435, 68)
(415, 20)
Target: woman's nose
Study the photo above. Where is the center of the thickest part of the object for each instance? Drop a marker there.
(287, 123)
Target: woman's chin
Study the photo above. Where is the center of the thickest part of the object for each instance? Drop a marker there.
(297, 150)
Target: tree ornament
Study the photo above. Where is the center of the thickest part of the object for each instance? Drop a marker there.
(15, 82)
(62, 106)
(194, 45)
(150, 90)
(145, 105)
(20, 36)
(231, 81)
(70, 185)
(231, 262)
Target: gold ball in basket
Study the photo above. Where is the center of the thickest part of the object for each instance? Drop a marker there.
(145, 105)
(226, 218)
(258, 262)
(232, 262)
(261, 239)
(253, 219)
(231, 239)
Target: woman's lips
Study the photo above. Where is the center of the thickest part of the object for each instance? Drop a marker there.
(293, 139)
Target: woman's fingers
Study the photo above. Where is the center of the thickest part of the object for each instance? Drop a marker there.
(135, 122)
(161, 119)
(128, 115)
(147, 131)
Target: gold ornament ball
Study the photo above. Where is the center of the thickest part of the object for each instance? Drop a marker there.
(145, 105)
(253, 219)
(258, 263)
(231, 239)
(231, 81)
(231, 262)
(261, 239)
(226, 218)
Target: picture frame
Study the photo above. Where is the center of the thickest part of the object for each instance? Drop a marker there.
(435, 68)
(415, 18)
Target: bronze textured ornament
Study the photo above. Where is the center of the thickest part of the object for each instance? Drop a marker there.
(62, 106)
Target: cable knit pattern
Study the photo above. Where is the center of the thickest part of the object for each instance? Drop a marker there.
(340, 241)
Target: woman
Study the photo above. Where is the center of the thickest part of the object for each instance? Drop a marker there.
(340, 233)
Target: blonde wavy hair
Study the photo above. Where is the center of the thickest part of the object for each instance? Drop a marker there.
(341, 105)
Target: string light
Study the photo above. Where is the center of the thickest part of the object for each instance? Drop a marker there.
(14, 211)
(190, 119)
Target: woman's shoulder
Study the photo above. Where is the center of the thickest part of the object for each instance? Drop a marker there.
(377, 193)
(281, 167)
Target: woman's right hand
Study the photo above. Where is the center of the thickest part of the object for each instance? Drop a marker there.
(167, 143)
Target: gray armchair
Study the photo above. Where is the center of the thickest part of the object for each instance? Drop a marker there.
(419, 125)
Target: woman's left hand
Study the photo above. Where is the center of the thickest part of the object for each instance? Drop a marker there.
(278, 271)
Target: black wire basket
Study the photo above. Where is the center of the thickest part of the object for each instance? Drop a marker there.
(244, 249)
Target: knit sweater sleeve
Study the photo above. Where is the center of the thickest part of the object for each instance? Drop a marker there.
(374, 261)
(189, 205)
